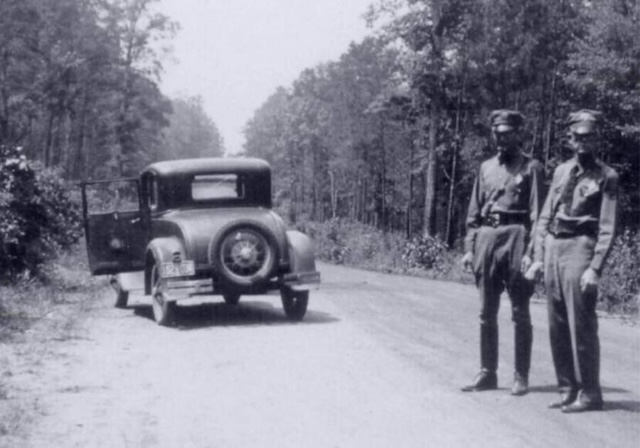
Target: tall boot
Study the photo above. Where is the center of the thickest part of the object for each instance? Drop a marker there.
(489, 348)
(487, 379)
(523, 343)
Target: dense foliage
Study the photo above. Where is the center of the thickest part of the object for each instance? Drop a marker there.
(191, 133)
(79, 87)
(620, 284)
(38, 215)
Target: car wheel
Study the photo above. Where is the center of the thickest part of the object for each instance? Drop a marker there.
(244, 255)
(231, 298)
(294, 303)
(122, 299)
(163, 310)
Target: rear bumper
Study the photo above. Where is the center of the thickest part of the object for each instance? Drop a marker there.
(176, 289)
(181, 288)
(301, 281)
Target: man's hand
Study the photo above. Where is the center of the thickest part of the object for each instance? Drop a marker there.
(533, 271)
(467, 262)
(589, 279)
(525, 264)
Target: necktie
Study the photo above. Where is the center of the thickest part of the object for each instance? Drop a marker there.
(567, 194)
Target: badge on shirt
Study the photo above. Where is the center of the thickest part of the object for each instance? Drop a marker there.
(590, 188)
(518, 179)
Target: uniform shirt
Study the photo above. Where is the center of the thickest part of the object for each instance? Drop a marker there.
(594, 199)
(498, 188)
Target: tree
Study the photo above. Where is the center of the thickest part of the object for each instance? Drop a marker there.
(432, 31)
(604, 73)
(191, 132)
(132, 27)
(397, 127)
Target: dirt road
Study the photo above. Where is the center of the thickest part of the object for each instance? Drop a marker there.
(378, 362)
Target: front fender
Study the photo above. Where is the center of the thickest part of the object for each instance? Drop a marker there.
(302, 275)
(301, 252)
(161, 250)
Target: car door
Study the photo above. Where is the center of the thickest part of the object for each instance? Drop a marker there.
(115, 232)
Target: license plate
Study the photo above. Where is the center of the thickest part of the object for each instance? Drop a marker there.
(183, 269)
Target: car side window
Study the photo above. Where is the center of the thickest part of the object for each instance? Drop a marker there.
(113, 196)
(152, 189)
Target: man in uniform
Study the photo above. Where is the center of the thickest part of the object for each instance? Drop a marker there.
(503, 209)
(574, 236)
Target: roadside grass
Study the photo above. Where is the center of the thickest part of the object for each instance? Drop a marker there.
(34, 314)
(343, 242)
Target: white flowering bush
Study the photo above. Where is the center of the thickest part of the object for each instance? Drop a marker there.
(38, 215)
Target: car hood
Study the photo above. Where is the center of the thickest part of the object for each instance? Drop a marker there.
(197, 227)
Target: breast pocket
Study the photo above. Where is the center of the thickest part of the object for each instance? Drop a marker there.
(588, 199)
(517, 189)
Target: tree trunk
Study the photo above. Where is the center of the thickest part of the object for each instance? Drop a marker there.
(77, 161)
(49, 142)
(409, 214)
(430, 181)
(332, 194)
(384, 213)
(4, 115)
(550, 114)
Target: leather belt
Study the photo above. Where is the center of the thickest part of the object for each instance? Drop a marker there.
(504, 219)
(565, 229)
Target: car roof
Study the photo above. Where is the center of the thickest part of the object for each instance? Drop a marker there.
(208, 165)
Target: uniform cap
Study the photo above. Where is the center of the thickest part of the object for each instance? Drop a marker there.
(584, 121)
(505, 120)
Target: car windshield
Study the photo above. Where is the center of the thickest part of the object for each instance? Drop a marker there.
(216, 186)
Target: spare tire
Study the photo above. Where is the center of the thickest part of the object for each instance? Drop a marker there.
(244, 255)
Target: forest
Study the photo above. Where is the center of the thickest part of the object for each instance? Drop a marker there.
(392, 133)
(80, 100)
(79, 88)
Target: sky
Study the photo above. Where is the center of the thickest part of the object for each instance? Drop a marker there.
(236, 53)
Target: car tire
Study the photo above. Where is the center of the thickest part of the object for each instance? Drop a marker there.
(163, 310)
(244, 255)
(294, 303)
(122, 297)
(231, 298)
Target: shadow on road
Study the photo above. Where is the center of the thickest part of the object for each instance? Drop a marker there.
(622, 405)
(543, 389)
(246, 313)
(609, 405)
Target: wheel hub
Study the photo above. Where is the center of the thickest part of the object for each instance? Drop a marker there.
(244, 253)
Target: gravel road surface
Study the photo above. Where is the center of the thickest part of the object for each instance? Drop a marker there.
(377, 362)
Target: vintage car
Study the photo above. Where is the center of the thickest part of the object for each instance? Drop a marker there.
(197, 227)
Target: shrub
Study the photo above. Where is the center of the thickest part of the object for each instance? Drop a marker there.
(341, 241)
(38, 215)
(328, 237)
(424, 252)
(620, 283)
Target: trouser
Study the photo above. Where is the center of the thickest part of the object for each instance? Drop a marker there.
(498, 256)
(573, 323)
